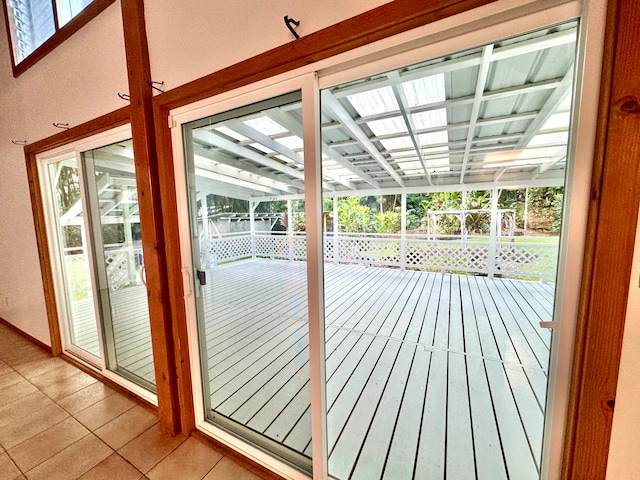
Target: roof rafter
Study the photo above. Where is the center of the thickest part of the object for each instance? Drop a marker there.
(333, 105)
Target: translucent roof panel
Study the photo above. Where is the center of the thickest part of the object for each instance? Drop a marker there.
(397, 143)
(430, 118)
(265, 125)
(557, 120)
(293, 142)
(231, 133)
(387, 126)
(424, 91)
(374, 102)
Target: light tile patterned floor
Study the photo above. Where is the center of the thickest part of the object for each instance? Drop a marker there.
(58, 423)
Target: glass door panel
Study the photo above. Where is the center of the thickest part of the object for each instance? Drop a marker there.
(119, 262)
(68, 215)
(245, 172)
(438, 278)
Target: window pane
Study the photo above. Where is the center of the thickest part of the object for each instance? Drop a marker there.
(246, 190)
(31, 23)
(67, 9)
(72, 241)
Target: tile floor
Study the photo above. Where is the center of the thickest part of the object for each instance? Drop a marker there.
(58, 423)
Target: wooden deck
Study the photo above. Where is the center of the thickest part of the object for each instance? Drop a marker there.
(429, 375)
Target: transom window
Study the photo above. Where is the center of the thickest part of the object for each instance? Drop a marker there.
(36, 27)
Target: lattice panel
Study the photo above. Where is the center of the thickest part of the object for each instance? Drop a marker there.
(463, 257)
(299, 248)
(328, 250)
(272, 246)
(369, 251)
(527, 260)
(117, 263)
(224, 249)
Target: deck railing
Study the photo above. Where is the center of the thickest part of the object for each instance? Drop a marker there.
(530, 257)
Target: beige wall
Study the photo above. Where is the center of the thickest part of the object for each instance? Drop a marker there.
(77, 82)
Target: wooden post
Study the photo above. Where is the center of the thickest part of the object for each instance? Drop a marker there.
(151, 224)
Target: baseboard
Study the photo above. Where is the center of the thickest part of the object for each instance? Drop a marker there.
(34, 340)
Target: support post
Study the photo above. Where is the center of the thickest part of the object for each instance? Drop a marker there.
(336, 241)
(403, 231)
(290, 229)
(204, 214)
(493, 248)
(252, 226)
(526, 210)
(128, 244)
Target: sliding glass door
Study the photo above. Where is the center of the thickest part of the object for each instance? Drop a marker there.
(245, 184)
(411, 239)
(96, 245)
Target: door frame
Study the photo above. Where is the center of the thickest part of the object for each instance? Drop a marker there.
(42, 160)
(421, 43)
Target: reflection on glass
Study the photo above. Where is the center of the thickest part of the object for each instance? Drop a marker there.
(438, 276)
(67, 9)
(246, 188)
(31, 23)
(69, 218)
(115, 222)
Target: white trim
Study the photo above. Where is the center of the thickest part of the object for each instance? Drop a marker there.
(578, 192)
(500, 19)
(73, 151)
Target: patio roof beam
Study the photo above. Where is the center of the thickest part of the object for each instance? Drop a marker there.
(481, 83)
(234, 180)
(499, 53)
(293, 125)
(334, 107)
(260, 184)
(224, 159)
(215, 140)
(401, 99)
(549, 108)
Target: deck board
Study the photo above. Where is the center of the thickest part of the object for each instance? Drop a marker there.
(429, 375)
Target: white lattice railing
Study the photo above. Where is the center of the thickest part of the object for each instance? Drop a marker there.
(473, 255)
(122, 264)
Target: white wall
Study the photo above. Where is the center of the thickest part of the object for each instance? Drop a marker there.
(187, 41)
(75, 83)
(624, 453)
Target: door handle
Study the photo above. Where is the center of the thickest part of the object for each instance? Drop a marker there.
(202, 277)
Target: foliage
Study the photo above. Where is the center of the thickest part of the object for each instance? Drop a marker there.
(352, 216)
(387, 222)
(299, 224)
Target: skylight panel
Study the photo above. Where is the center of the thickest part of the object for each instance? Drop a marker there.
(557, 120)
(262, 148)
(435, 138)
(397, 143)
(387, 126)
(293, 142)
(231, 133)
(549, 138)
(424, 91)
(265, 125)
(430, 118)
(374, 102)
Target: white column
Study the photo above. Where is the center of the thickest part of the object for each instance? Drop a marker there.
(204, 214)
(290, 228)
(403, 231)
(315, 273)
(128, 244)
(252, 226)
(491, 267)
(336, 242)
(526, 210)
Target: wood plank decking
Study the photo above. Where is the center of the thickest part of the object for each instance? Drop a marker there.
(428, 375)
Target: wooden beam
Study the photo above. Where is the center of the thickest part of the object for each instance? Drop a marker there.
(376, 24)
(151, 225)
(609, 249)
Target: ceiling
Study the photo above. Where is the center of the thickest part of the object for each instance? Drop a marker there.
(493, 116)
